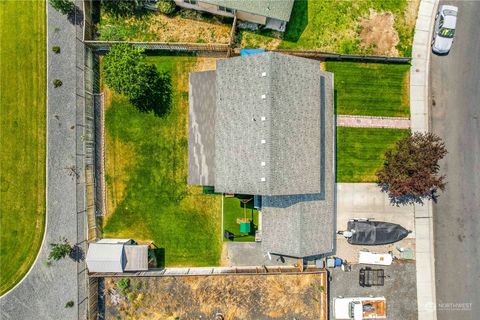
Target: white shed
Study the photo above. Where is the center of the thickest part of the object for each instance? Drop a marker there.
(116, 255)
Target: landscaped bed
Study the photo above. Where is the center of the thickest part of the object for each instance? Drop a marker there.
(22, 137)
(360, 151)
(371, 89)
(284, 296)
(233, 210)
(146, 164)
(184, 26)
(367, 27)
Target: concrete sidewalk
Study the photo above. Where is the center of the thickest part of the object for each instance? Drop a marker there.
(419, 109)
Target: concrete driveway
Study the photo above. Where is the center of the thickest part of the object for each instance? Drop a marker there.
(365, 200)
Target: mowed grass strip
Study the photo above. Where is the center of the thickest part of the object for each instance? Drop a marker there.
(22, 137)
(148, 195)
(371, 89)
(360, 151)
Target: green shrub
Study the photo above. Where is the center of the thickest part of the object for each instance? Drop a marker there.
(69, 304)
(166, 6)
(63, 6)
(123, 8)
(62, 248)
(56, 49)
(123, 285)
(57, 83)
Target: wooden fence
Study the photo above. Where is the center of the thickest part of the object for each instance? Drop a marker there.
(214, 271)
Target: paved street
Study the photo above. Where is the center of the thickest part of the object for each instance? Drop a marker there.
(455, 112)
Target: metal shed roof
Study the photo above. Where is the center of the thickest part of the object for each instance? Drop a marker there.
(105, 257)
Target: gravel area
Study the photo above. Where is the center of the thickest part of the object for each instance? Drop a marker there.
(399, 289)
(45, 290)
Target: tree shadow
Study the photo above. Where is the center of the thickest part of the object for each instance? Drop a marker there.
(409, 199)
(75, 16)
(77, 254)
(298, 21)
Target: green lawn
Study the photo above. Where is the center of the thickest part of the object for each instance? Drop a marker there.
(22, 137)
(234, 209)
(333, 26)
(371, 88)
(148, 195)
(360, 151)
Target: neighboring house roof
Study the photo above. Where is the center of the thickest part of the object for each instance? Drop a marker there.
(116, 255)
(278, 9)
(105, 257)
(266, 125)
(201, 133)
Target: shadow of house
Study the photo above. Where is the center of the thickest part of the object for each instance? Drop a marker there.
(298, 21)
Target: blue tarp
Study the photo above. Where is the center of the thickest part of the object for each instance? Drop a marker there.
(246, 52)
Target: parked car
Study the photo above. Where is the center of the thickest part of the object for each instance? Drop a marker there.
(359, 308)
(444, 29)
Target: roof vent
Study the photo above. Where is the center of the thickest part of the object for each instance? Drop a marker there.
(263, 163)
(263, 141)
(262, 179)
(264, 96)
(262, 118)
(264, 74)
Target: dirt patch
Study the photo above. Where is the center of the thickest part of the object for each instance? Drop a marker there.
(378, 34)
(286, 296)
(205, 64)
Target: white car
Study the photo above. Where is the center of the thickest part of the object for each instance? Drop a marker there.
(444, 29)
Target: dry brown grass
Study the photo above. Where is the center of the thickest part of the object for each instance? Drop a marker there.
(236, 297)
(379, 34)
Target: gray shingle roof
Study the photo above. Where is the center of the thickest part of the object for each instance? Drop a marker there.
(201, 128)
(278, 9)
(296, 120)
(303, 225)
(267, 125)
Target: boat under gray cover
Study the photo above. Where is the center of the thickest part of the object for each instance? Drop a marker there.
(366, 232)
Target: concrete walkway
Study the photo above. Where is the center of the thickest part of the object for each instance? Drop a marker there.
(45, 290)
(372, 122)
(419, 110)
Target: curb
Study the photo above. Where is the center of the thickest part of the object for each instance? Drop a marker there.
(419, 101)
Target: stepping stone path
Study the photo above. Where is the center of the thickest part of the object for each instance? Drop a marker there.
(372, 122)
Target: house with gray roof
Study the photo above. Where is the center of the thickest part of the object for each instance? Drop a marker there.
(263, 125)
(273, 14)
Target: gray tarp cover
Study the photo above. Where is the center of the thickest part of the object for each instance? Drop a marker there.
(375, 232)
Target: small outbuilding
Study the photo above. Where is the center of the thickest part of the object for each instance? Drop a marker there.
(117, 255)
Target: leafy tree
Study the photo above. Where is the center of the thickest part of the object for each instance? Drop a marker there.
(63, 6)
(59, 250)
(123, 7)
(126, 71)
(166, 6)
(410, 171)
